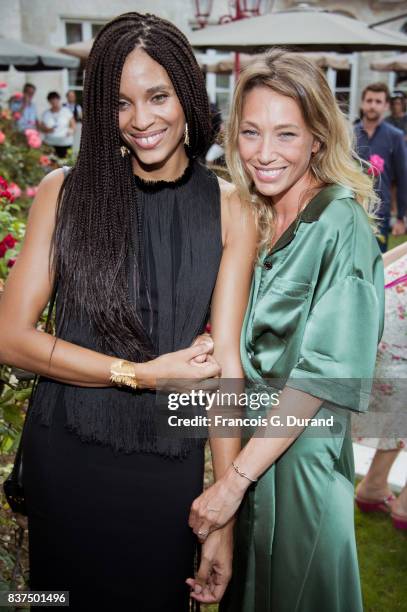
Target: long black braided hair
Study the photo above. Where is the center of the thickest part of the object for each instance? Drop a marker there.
(94, 233)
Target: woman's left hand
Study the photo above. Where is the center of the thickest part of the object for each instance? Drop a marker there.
(217, 505)
(215, 569)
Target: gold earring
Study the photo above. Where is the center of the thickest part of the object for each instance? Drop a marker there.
(124, 151)
(186, 135)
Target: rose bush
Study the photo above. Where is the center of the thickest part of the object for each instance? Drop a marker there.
(24, 161)
(12, 226)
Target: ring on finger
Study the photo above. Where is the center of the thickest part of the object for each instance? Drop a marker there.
(203, 533)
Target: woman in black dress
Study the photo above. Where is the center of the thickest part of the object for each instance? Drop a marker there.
(138, 239)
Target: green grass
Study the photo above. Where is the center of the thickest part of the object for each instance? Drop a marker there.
(396, 240)
(383, 563)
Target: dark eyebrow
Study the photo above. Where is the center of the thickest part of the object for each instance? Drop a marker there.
(150, 91)
(157, 88)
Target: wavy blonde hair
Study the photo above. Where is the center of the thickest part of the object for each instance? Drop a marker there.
(336, 162)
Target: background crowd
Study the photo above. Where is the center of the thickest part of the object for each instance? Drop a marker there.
(57, 124)
(380, 139)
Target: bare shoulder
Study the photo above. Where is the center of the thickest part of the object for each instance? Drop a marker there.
(48, 191)
(226, 188)
(42, 215)
(52, 180)
(237, 216)
(231, 202)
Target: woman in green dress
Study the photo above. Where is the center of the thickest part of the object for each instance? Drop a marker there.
(314, 319)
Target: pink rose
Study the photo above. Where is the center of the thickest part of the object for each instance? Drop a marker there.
(3, 183)
(9, 241)
(16, 116)
(2, 137)
(15, 190)
(33, 138)
(34, 142)
(45, 160)
(3, 84)
(11, 262)
(31, 192)
(17, 96)
(377, 165)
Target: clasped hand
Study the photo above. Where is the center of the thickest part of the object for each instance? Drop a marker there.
(182, 368)
(217, 505)
(215, 570)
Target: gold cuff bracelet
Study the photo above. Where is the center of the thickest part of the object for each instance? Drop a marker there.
(122, 373)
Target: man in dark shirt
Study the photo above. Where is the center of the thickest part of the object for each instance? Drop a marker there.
(382, 145)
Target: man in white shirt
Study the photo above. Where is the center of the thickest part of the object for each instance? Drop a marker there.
(58, 125)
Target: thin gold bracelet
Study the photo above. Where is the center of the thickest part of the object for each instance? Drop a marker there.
(122, 373)
(242, 474)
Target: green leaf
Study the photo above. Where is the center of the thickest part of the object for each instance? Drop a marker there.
(7, 444)
(13, 415)
(23, 394)
(7, 396)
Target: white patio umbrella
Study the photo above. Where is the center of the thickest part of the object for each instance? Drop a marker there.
(323, 60)
(82, 49)
(397, 63)
(309, 29)
(30, 58)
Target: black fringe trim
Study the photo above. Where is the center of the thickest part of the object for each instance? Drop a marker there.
(119, 418)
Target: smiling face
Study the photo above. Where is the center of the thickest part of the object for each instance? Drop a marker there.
(275, 145)
(151, 118)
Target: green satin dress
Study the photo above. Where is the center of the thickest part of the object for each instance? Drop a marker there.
(314, 319)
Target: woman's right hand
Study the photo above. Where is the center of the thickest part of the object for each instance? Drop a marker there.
(181, 365)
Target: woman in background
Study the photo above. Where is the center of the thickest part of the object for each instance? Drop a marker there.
(389, 396)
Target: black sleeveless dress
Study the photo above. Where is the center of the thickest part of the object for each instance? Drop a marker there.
(108, 497)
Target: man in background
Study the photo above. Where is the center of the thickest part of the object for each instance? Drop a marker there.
(72, 104)
(398, 116)
(24, 110)
(382, 145)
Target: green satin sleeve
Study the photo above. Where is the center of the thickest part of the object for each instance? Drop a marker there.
(338, 349)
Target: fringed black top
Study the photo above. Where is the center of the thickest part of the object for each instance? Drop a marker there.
(180, 228)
